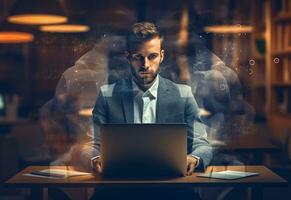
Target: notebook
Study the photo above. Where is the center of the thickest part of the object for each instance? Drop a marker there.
(228, 175)
(56, 173)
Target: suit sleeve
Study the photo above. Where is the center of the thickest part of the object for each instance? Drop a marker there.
(197, 142)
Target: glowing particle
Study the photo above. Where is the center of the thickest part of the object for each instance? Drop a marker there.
(276, 60)
(222, 86)
(76, 71)
(252, 62)
(104, 35)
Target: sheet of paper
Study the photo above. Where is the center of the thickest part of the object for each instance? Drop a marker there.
(228, 175)
(41, 176)
(57, 173)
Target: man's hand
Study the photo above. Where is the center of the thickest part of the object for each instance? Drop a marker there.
(96, 164)
(191, 164)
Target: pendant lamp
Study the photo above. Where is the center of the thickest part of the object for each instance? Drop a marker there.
(37, 12)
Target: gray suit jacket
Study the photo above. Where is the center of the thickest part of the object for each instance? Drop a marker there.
(175, 104)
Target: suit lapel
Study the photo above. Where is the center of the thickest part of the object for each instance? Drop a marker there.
(127, 101)
(163, 101)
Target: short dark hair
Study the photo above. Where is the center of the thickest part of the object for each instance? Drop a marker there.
(140, 33)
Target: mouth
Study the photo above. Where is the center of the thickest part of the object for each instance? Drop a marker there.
(144, 73)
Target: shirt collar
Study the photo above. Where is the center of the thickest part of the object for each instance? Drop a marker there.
(151, 92)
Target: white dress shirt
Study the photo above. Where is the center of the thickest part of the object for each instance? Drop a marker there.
(145, 103)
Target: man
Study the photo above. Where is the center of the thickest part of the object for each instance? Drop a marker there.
(146, 97)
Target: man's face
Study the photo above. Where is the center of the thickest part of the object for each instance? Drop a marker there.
(145, 62)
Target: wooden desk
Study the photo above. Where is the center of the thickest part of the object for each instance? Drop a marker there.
(258, 147)
(7, 124)
(251, 142)
(266, 178)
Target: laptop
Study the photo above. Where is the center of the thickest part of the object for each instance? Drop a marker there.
(143, 150)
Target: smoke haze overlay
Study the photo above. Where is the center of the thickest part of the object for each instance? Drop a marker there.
(67, 119)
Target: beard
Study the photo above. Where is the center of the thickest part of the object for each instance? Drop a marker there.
(144, 78)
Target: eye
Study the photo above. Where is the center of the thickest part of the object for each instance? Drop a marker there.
(136, 57)
(152, 56)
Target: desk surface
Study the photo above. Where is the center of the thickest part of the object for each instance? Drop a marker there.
(249, 142)
(266, 178)
(5, 121)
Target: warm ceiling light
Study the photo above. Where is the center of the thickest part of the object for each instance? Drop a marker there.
(15, 37)
(232, 29)
(65, 28)
(37, 19)
(37, 12)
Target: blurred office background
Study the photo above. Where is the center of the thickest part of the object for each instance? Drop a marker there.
(234, 54)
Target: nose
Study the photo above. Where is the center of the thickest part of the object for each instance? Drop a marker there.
(145, 63)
